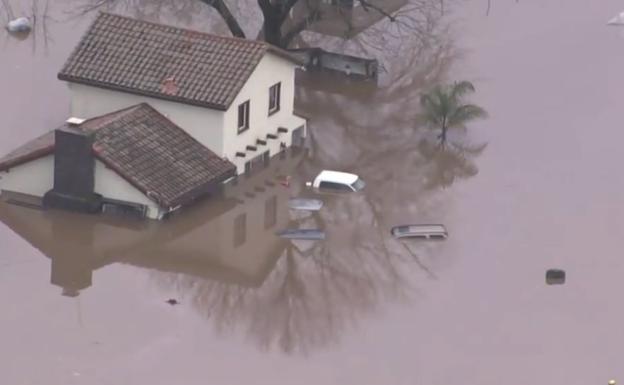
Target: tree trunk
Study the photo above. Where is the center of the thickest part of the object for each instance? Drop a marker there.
(272, 29)
(272, 26)
(442, 136)
(227, 16)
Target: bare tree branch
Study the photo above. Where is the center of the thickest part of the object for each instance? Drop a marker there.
(230, 20)
(366, 5)
(299, 27)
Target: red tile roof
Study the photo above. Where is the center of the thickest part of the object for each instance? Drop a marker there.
(165, 62)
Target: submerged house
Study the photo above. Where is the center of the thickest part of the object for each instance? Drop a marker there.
(234, 96)
(223, 240)
(160, 117)
(134, 160)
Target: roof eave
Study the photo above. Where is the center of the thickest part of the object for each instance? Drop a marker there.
(285, 55)
(37, 154)
(201, 190)
(155, 95)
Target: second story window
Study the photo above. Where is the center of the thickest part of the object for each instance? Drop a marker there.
(274, 98)
(243, 117)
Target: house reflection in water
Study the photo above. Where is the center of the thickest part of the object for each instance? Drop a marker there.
(230, 239)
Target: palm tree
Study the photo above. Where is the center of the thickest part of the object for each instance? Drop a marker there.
(443, 107)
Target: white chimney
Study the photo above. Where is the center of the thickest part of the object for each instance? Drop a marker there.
(73, 121)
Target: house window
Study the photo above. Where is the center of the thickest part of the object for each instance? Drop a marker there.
(240, 229)
(270, 212)
(243, 117)
(274, 98)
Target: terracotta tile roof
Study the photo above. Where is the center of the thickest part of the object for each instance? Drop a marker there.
(34, 149)
(148, 150)
(165, 62)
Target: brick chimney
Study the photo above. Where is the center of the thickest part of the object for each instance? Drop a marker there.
(74, 172)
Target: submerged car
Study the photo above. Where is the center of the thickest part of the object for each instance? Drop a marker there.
(305, 204)
(437, 232)
(337, 181)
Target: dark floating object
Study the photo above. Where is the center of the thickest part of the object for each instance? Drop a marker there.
(172, 301)
(555, 277)
(309, 234)
(431, 232)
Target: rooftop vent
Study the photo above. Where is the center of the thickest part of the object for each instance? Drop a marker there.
(74, 121)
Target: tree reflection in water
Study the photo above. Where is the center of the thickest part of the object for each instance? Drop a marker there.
(316, 291)
(297, 297)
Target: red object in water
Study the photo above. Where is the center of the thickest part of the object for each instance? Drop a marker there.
(285, 182)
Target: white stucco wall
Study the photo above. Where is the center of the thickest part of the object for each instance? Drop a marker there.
(204, 124)
(110, 185)
(35, 177)
(217, 130)
(271, 70)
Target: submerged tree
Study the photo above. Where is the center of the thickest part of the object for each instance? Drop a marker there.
(282, 21)
(443, 107)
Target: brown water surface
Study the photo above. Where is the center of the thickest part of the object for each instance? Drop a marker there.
(535, 186)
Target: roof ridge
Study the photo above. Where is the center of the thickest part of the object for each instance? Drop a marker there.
(164, 61)
(108, 117)
(194, 31)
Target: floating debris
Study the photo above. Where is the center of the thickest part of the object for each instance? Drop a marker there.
(21, 24)
(172, 302)
(285, 181)
(555, 277)
(431, 232)
(305, 204)
(618, 20)
(308, 234)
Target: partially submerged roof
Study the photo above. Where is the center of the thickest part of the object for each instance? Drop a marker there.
(148, 150)
(165, 62)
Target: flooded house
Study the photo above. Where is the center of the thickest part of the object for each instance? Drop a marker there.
(134, 160)
(210, 242)
(160, 117)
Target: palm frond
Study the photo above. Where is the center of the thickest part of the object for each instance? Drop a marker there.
(465, 113)
(459, 89)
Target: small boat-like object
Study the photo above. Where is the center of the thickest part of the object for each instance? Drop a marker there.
(427, 232)
(306, 234)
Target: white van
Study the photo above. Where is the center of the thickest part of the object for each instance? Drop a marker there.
(337, 181)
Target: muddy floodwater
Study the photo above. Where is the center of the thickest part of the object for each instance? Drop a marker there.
(212, 296)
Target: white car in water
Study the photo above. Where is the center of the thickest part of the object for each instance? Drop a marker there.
(337, 181)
